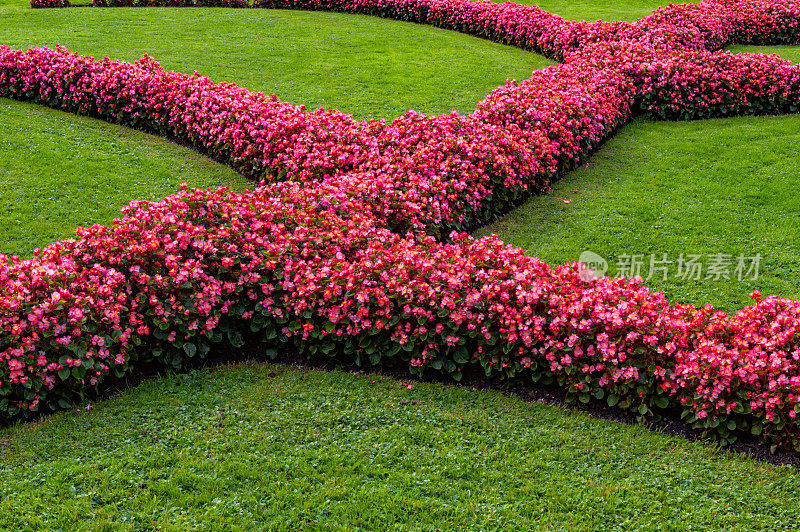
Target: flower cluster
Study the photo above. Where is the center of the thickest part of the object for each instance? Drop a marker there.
(170, 3)
(345, 249)
(703, 84)
(49, 3)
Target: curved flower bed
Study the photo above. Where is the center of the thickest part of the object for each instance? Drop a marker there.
(49, 3)
(165, 3)
(346, 247)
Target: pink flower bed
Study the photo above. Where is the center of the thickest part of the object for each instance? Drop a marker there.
(167, 3)
(346, 247)
(49, 3)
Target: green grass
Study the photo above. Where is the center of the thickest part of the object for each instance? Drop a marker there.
(591, 10)
(89, 170)
(59, 171)
(235, 448)
(792, 53)
(702, 187)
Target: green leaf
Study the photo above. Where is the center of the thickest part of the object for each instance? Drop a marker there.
(63, 373)
(235, 338)
(612, 400)
(190, 349)
(461, 355)
(327, 346)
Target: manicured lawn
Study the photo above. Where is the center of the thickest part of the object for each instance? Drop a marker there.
(592, 10)
(59, 171)
(701, 187)
(238, 448)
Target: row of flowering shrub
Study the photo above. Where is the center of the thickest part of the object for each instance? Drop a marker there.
(166, 3)
(298, 264)
(337, 251)
(705, 25)
(49, 3)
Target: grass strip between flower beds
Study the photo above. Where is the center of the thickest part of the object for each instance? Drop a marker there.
(341, 261)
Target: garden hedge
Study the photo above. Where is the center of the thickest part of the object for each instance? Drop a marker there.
(353, 246)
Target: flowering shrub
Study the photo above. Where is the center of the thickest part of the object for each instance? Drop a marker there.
(170, 3)
(722, 84)
(745, 374)
(346, 249)
(49, 3)
(300, 264)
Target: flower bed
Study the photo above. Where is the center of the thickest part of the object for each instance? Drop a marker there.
(168, 3)
(348, 258)
(49, 3)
